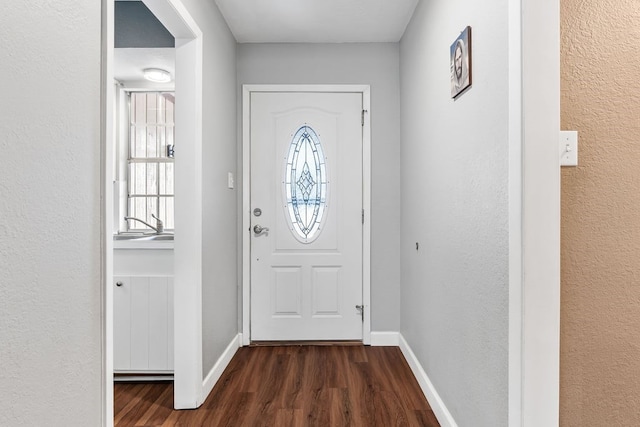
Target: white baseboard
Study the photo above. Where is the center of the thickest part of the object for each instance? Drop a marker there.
(223, 361)
(385, 339)
(437, 405)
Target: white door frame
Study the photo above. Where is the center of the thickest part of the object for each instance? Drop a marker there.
(188, 385)
(187, 302)
(107, 149)
(539, 308)
(365, 90)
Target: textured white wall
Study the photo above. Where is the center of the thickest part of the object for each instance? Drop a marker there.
(50, 345)
(455, 158)
(376, 64)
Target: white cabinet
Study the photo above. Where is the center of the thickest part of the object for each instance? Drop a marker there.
(143, 324)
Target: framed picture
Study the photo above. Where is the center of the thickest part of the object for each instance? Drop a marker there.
(460, 52)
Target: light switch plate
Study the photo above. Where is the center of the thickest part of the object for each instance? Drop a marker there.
(568, 148)
(230, 180)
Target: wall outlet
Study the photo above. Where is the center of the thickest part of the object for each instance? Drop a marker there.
(230, 181)
(568, 148)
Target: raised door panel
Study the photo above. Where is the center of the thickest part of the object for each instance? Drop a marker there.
(170, 323)
(121, 323)
(158, 323)
(140, 323)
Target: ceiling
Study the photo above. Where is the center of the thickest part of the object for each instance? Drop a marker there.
(287, 21)
(317, 21)
(129, 63)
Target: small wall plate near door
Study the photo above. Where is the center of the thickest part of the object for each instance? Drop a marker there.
(568, 148)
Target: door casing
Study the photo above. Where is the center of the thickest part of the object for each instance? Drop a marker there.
(365, 90)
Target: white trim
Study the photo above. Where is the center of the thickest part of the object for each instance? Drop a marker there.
(541, 213)
(366, 205)
(515, 215)
(246, 216)
(106, 204)
(223, 361)
(188, 207)
(175, 17)
(385, 339)
(188, 220)
(437, 405)
(246, 196)
(152, 376)
(121, 141)
(337, 88)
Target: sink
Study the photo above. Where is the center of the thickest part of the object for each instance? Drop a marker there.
(143, 237)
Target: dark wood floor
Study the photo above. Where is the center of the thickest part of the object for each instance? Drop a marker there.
(322, 386)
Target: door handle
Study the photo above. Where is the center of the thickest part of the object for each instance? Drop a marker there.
(258, 229)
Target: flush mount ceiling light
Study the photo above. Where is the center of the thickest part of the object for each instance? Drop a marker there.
(157, 75)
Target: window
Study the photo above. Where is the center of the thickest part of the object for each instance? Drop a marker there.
(150, 188)
(305, 185)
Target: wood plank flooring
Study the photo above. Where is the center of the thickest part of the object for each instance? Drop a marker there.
(283, 386)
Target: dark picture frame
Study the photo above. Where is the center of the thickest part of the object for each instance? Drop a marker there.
(460, 60)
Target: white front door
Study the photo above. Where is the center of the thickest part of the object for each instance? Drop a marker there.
(306, 185)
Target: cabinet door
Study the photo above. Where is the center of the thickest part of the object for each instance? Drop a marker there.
(143, 324)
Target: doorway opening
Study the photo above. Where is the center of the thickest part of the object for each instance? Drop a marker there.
(188, 119)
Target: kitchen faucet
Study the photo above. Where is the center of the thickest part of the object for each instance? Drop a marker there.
(159, 228)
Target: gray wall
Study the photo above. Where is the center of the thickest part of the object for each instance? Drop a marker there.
(455, 204)
(219, 244)
(359, 63)
(136, 26)
(50, 345)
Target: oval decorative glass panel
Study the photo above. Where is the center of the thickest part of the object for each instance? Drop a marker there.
(305, 185)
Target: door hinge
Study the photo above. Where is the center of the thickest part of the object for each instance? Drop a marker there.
(362, 117)
(360, 308)
(363, 216)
